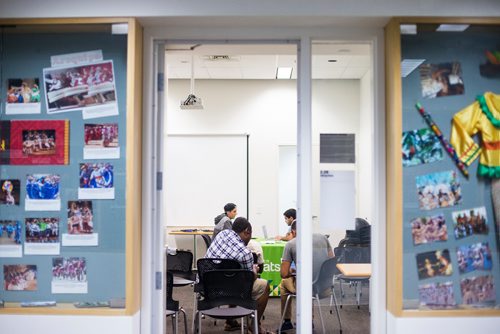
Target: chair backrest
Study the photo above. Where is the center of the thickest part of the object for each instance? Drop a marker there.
(209, 264)
(229, 287)
(325, 276)
(172, 305)
(352, 254)
(180, 263)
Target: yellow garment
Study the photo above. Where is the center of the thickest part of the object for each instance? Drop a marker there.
(472, 120)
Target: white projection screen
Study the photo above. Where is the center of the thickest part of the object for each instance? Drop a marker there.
(202, 173)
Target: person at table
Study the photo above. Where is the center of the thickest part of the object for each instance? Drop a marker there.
(232, 244)
(290, 216)
(224, 220)
(321, 252)
(258, 254)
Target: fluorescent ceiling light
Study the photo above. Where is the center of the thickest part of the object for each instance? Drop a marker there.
(409, 65)
(284, 73)
(408, 29)
(452, 27)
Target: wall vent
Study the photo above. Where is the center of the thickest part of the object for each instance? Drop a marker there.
(337, 148)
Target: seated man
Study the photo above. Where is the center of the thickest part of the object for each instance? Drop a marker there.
(224, 220)
(232, 244)
(321, 252)
(290, 215)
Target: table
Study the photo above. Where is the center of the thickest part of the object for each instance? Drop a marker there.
(273, 251)
(194, 232)
(356, 272)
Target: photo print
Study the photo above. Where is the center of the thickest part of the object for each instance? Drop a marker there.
(438, 190)
(80, 87)
(39, 142)
(429, 229)
(10, 192)
(41, 236)
(439, 80)
(435, 263)
(80, 217)
(474, 257)
(437, 295)
(469, 222)
(420, 147)
(69, 275)
(96, 181)
(478, 291)
(43, 192)
(20, 277)
(4, 142)
(23, 96)
(10, 239)
(101, 141)
(42, 230)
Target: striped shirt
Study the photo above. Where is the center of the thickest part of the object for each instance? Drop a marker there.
(228, 245)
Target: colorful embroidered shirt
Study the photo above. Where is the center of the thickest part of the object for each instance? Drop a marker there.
(483, 116)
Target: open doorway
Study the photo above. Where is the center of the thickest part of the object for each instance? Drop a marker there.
(237, 96)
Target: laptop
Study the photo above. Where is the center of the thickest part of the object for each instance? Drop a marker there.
(266, 236)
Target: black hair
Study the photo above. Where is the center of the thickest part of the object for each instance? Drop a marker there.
(241, 224)
(293, 227)
(290, 213)
(229, 207)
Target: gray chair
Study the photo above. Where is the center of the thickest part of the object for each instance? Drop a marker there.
(322, 288)
(173, 308)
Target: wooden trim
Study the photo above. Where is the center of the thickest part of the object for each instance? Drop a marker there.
(61, 309)
(134, 168)
(394, 172)
(394, 206)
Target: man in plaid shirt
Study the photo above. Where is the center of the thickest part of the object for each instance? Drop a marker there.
(232, 244)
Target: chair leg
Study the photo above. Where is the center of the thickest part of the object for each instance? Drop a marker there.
(341, 293)
(199, 322)
(185, 320)
(195, 307)
(284, 311)
(337, 309)
(256, 322)
(174, 322)
(242, 326)
(358, 292)
(320, 314)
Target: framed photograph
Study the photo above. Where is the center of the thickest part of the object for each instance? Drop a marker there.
(439, 80)
(96, 181)
(69, 275)
(437, 295)
(23, 96)
(429, 229)
(80, 225)
(39, 142)
(438, 190)
(420, 147)
(10, 192)
(4, 142)
(478, 291)
(474, 257)
(469, 222)
(435, 263)
(101, 141)
(81, 87)
(43, 192)
(41, 236)
(20, 277)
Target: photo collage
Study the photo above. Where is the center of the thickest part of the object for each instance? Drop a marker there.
(448, 230)
(83, 84)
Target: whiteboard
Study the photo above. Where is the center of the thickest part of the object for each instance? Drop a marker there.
(202, 173)
(338, 199)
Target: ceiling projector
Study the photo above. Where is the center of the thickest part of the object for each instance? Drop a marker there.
(192, 102)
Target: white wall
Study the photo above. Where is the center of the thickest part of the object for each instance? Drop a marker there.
(64, 324)
(266, 110)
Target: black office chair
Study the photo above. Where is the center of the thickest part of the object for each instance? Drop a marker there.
(173, 308)
(204, 266)
(180, 265)
(224, 288)
(322, 288)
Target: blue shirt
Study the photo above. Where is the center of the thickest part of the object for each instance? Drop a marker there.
(228, 245)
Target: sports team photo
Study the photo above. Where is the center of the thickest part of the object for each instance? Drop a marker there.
(101, 135)
(96, 175)
(20, 277)
(70, 269)
(437, 295)
(438, 190)
(42, 230)
(469, 222)
(42, 186)
(80, 218)
(478, 291)
(10, 232)
(10, 192)
(474, 257)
